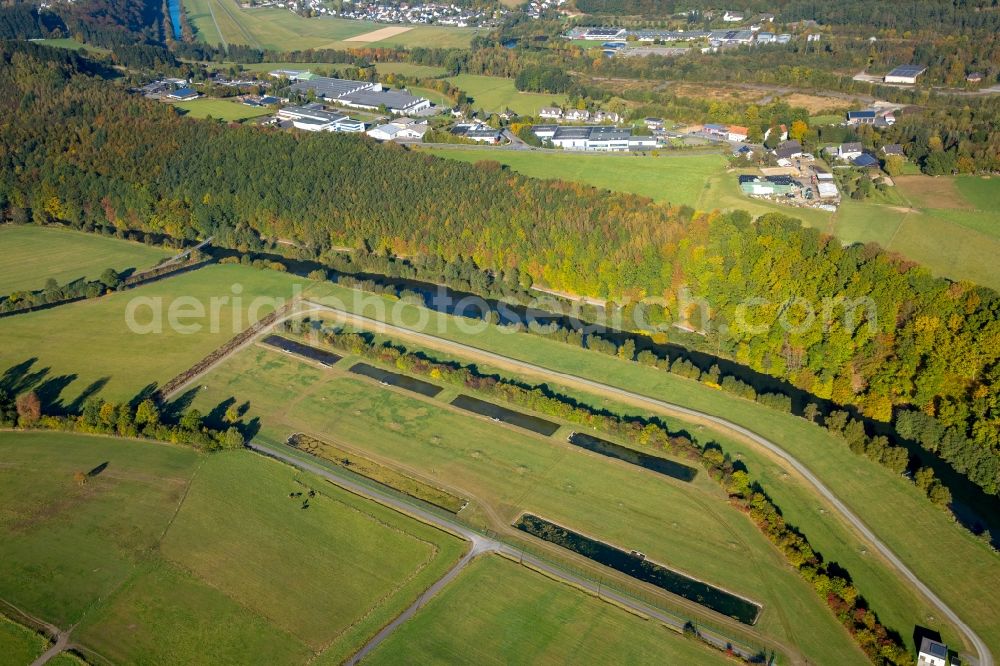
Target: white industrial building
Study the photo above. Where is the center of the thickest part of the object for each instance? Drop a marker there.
(314, 118)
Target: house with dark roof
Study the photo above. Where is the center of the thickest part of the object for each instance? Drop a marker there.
(932, 653)
(893, 149)
(865, 161)
(849, 151)
(789, 150)
(866, 117)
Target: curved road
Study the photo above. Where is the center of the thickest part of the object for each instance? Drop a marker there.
(985, 658)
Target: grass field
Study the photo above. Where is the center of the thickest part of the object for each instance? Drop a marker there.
(282, 30)
(676, 179)
(491, 93)
(895, 510)
(71, 44)
(497, 612)
(981, 193)
(18, 644)
(149, 549)
(404, 68)
(220, 109)
(79, 337)
(32, 254)
(505, 472)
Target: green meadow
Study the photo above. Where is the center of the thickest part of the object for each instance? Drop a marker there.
(33, 254)
(201, 559)
(497, 612)
(492, 93)
(118, 344)
(220, 109)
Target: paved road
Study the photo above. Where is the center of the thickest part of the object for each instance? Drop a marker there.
(62, 642)
(985, 658)
(480, 544)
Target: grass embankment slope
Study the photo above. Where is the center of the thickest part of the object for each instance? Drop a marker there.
(281, 30)
(19, 644)
(505, 471)
(497, 612)
(92, 341)
(220, 109)
(492, 93)
(32, 254)
(201, 559)
(895, 510)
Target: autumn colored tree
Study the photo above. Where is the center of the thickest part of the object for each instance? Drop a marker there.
(29, 409)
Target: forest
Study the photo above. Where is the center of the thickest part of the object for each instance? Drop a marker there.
(106, 158)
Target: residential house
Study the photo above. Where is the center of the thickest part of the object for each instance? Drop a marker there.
(732, 17)
(577, 115)
(606, 117)
(975, 77)
(783, 135)
(849, 151)
(737, 133)
(550, 113)
(789, 150)
(654, 123)
(932, 653)
(865, 161)
(893, 149)
(866, 117)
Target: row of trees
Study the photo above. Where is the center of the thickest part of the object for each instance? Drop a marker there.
(881, 645)
(144, 420)
(54, 293)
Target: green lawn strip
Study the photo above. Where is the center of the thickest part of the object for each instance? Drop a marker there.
(378, 472)
(91, 341)
(949, 248)
(32, 254)
(894, 509)
(355, 550)
(220, 109)
(492, 93)
(64, 545)
(20, 644)
(982, 192)
(688, 526)
(675, 179)
(497, 612)
(166, 615)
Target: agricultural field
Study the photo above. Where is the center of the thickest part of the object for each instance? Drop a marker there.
(33, 254)
(220, 109)
(281, 30)
(71, 44)
(156, 555)
(505, 471)
(895, 510)
(675, 179)
(75, 361)
(497, 612)
(492, 93)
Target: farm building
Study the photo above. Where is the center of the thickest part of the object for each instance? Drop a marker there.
(905, 74)
(769, 186)
(184, 94)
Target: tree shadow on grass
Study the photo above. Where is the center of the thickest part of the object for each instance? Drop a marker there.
(49, 393)
(91, 390)
(174, 410)
(19, 378)
(145, 393)
(217, 417)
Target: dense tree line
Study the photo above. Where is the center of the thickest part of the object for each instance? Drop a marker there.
(53, 292)
(543, 79)
(109, 159)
